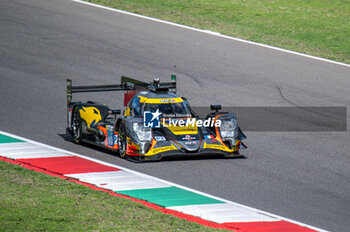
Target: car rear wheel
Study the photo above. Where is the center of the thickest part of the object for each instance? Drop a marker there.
(76, 126)
(122, 141)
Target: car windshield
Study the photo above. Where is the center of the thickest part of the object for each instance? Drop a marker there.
(178, 109)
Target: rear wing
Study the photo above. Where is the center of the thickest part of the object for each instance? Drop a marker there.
(129, 85)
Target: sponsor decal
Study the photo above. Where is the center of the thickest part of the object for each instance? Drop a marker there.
(216, 146)
(167, 100)
(151, 119)
(176, 115)
(161, 149)
(190, 142)
(162, 144)
(188, 137)
(110, 136)
(159, 138)
(209, 122)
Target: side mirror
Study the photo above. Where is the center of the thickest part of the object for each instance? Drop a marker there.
(215, 107)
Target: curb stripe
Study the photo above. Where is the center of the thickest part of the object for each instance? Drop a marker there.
(35, 155)
(268, 227)
(8, 139)
(34, 151)
(67, 165)
(118, 181)
(16, 145)
(25, 150)
(109, 173)
(222, 213)
(170, 196)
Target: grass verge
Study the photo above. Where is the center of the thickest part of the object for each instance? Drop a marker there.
(32, 201)
(318, 27)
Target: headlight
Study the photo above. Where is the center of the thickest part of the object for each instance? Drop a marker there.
(143, 133)
(228, 128)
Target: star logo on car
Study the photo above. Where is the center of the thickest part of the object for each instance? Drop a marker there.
(156, 115)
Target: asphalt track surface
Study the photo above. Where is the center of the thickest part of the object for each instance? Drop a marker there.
(299, 175)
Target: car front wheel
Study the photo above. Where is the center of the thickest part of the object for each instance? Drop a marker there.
(76, 126)
(122, 141)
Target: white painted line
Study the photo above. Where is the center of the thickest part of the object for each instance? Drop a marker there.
(164, 181)
(212, 33)
(222, 213)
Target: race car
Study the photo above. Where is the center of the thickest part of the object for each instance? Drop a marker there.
(156, 123)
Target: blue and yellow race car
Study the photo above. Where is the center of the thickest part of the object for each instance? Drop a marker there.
(155, 123)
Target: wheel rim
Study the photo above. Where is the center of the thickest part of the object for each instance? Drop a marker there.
(122, 142)
(76, 124)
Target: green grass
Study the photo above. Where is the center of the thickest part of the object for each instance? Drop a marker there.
(316, 27)
(32, 201)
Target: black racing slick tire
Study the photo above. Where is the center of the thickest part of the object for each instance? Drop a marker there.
(122, 140)
(76, 126)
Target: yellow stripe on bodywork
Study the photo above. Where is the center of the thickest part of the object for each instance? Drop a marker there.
(160, 100)
(160, 149)
(216, 146)
(89, 115)
(127, 112)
